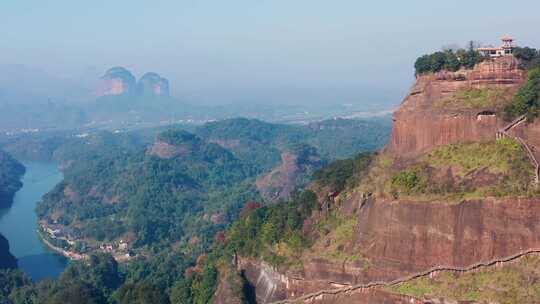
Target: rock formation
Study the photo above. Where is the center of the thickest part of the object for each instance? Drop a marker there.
(120, 81)
(151, 84)
(165, 150)
(116, 81)
(424, 120)
(395, 238)
(279, 183)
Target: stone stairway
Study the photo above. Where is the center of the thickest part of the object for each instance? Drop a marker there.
(503, 133)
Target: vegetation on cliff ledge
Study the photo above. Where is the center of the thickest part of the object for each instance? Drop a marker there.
(527, 100)
(455, 172)
(448, 60)
(476, 98)
(514, 283)
(529, 57)
(275, 232)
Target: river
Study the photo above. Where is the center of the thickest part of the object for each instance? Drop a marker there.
(19, 223)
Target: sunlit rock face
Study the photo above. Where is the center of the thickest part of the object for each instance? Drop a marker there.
(154, 85)
(420, 124)
(116, 81)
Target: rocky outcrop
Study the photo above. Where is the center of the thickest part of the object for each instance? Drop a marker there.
(282, 180)
(420, 125)
(395, 239)
(151, 84)
(165, 150)
(269, 285)
(399, 239)
(120, 81)
(116, 81)
(230, 289)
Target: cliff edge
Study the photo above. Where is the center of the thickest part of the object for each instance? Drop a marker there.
(445, 194)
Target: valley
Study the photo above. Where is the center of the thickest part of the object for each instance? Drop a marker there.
(438, 206)
(163, 195)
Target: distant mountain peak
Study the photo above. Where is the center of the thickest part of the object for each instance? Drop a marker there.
(120, 81)
(116, 81)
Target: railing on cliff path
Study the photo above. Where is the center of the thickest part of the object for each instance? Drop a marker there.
(504, 133)
(431, 271)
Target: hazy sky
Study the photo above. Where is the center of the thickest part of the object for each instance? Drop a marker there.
(237, 45)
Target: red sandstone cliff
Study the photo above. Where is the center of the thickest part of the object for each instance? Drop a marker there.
(396, 238)
(424, 120)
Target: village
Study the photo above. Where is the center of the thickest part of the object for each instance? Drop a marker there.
(69, 243)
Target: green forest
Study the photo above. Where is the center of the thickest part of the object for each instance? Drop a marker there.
(449, 60)
(11, 172)
(527, 100)
(176, 213)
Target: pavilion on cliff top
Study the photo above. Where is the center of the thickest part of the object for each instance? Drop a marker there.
(506, 49)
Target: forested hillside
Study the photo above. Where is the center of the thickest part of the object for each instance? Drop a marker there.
(159, 200)
(262, 142)
(7, 260)
(11, 172)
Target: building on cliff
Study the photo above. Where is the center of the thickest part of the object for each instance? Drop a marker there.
(506, 49)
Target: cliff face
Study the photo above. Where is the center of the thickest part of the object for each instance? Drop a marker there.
(431, 115)
(394, 238)
(421, 236)
(120, 81)
(116, 81)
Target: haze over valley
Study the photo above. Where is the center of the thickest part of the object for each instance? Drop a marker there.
(270, 152)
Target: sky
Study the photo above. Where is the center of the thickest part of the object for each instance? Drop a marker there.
(222, 48)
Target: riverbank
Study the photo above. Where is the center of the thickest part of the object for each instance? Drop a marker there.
(68, 254)
(19, 223)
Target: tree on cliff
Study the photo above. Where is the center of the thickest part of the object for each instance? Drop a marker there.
(529, 57)
(448, 60)
(527, 100)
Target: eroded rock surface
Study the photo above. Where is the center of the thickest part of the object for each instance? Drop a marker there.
(423, 122)
(165, 150)
(393, 239)
(282, 180)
